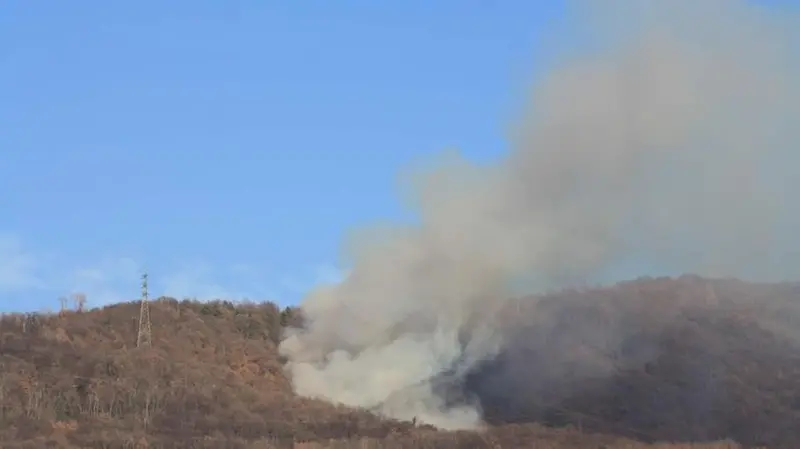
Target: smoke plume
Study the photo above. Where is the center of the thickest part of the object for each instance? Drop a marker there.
(669, 141)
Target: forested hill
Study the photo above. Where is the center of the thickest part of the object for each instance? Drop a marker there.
(213, 379)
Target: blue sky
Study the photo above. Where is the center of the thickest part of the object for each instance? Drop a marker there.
(226, 147)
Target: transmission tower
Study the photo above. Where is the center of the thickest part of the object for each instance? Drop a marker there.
(144, 337)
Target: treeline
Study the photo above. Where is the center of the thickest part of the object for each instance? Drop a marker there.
(212, 379)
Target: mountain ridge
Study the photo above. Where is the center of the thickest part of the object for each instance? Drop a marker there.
(213, 376)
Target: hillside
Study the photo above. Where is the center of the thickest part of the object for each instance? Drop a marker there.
(661, 359)
(707, 366)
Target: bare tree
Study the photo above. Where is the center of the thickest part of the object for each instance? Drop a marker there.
(80, 301)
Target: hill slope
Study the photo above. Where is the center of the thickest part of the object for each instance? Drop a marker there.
(213, 379)
(669, 359)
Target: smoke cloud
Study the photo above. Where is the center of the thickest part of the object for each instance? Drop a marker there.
(669, 141)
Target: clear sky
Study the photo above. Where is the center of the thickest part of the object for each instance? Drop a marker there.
(226, 147)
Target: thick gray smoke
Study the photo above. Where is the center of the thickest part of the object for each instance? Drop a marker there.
(669, 141)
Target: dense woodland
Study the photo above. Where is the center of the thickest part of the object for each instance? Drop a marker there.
(213, 379)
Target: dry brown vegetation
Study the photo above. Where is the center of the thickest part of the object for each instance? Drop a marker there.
(213, 379)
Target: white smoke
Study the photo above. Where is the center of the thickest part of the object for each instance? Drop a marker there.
(670, 141)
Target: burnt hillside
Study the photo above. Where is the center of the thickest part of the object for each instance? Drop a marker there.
(213, 379)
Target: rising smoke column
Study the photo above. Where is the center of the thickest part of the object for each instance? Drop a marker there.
(671, 140)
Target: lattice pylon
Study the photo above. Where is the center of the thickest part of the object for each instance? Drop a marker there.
(144, 336)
